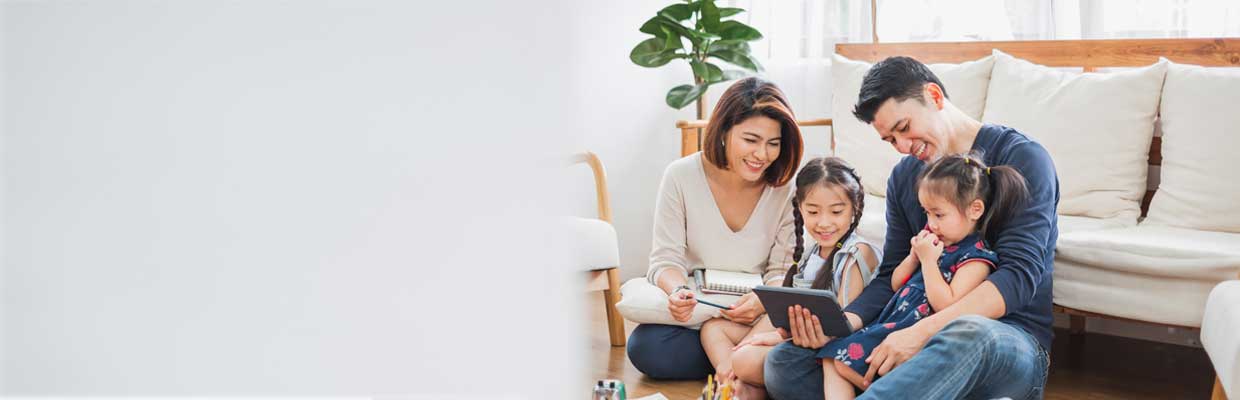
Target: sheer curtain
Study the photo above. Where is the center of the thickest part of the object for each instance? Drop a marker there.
(800, 35)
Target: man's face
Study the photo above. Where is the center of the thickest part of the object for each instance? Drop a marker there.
(912, 127)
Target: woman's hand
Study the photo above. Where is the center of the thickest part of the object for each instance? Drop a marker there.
(806, 329)
(746, 310)
(680, 303)
(761, 339)
(928, 247)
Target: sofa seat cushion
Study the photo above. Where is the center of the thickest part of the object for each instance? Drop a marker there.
(1148, 273)
(1155, 251)
(1218, 334)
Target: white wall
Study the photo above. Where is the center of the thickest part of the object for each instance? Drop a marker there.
(285, 198)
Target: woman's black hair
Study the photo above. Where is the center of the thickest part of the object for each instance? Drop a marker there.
(963, 178)
(828, 172)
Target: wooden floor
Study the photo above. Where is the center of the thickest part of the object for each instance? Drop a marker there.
(1112, 368)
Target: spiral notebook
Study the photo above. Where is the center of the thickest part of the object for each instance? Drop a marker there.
(726, 282)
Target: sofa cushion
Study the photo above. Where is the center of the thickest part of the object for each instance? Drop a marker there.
(1158, 251)
(1201, 132)
(1148, 273)
(861, 146)
(1157, 299)
(1096, 126)
(1218, 334)
(644, 303)
(594, 244)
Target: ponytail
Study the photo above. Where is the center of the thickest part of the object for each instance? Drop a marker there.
(798, 233)
(1007, 197)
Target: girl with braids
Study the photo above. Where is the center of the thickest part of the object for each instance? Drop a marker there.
(827, 205)
(966, 203)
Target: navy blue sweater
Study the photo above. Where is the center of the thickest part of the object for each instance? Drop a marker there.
(1026, 245)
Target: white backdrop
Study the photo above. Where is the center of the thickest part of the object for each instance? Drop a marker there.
(286, 198)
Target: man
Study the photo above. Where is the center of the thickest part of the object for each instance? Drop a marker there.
(994, 342)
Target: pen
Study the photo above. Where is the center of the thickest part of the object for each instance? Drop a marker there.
(712, 304)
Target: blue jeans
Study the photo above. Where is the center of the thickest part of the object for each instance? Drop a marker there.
(668, 352)
(972, 357)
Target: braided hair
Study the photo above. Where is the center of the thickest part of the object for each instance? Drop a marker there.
(824, 172)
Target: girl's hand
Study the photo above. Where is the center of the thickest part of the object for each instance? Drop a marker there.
(806, 329)
(762, 339)
(746, 310)
(680, 303)
(928, 247)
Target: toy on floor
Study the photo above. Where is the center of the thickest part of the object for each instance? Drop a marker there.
(715, 390)
(609, 389)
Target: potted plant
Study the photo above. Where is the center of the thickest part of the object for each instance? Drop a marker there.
(711, 36)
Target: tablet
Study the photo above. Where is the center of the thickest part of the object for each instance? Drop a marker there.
(821, 303)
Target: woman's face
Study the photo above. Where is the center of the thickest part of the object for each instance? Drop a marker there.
(828, 213)
(751, 146)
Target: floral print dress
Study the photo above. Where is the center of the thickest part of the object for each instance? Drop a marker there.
(907, 306)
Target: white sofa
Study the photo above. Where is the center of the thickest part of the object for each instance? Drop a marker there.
(1098, 127)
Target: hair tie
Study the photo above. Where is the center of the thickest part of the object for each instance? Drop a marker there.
(988, 171)
(839, 245)
(966, 161)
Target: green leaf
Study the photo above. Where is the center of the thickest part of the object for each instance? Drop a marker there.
(709, 73)
(736, 58)
(710, 16)
(725, 12)
(683, 95)
(736, 45)
(673, 42)
(734, 30)
(680, 12)
(653, 26)
(649, 53)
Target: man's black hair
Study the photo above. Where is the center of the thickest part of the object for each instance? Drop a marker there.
(899, 78)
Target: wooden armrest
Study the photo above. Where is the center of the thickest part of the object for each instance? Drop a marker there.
(600, 183)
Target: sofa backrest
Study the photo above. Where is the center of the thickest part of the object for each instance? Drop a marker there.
(1090, 55)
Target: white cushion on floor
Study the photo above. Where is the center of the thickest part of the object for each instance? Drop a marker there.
(593, 244)
(1218, 334)
(644, 303)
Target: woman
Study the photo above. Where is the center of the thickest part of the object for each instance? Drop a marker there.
(726, 207)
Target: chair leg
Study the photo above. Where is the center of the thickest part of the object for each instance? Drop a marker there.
(1218, 394)
(1076, 340)
(615, 322)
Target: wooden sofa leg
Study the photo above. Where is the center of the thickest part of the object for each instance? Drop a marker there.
(1219, 394)
(615, 322)
(1076, 340)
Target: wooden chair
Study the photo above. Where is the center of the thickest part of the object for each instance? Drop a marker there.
(606, 278)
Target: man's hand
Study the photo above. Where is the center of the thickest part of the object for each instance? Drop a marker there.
(899, 347)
